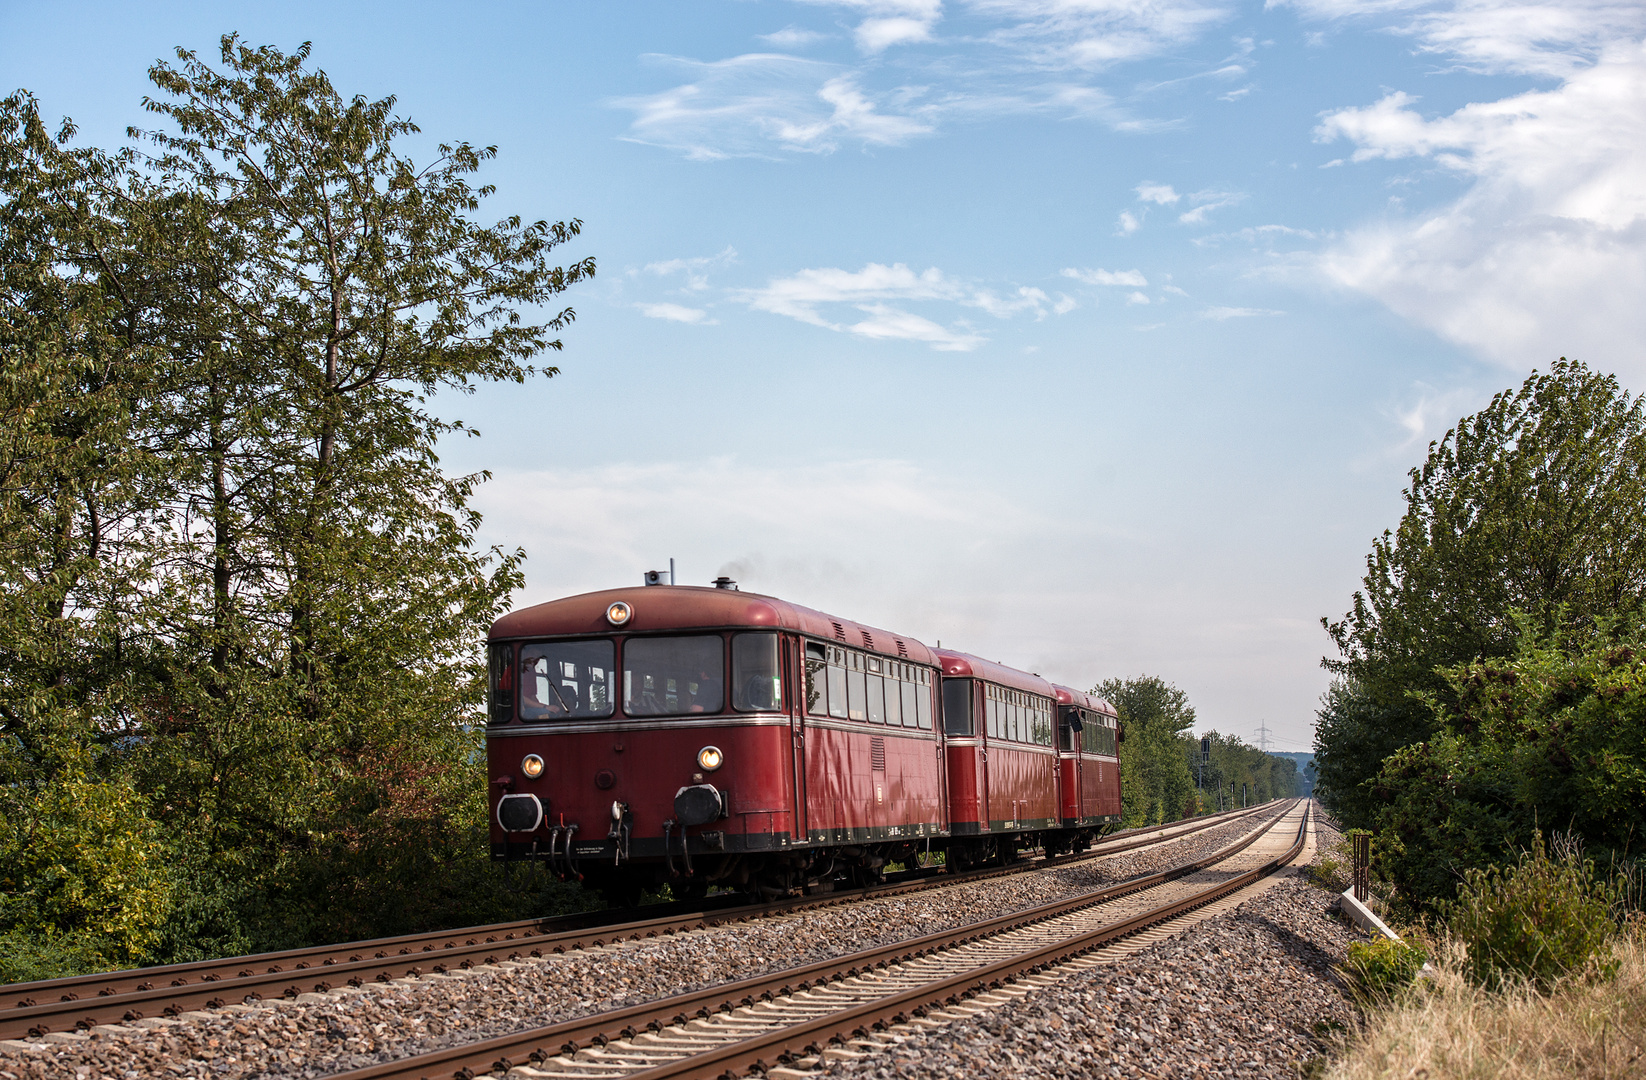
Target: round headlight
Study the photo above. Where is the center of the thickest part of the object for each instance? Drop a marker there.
(619, 613)
(710, 758)
(532, 766)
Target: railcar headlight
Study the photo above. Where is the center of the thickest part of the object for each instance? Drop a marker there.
(710, 758)
(619, 613)
(532, 766)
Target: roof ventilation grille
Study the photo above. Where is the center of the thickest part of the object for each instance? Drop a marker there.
(839, 631)
(902, 649)
(868, 642)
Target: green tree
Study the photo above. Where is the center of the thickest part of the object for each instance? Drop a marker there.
(1553, 738)
(231, 514)
(1535, 505)
(1154, 773)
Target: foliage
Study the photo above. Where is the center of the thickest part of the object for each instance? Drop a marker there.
(1154, 775)
(240, 601)
(1541, 919)
(1536, 505)
(1555, 736)
(1237, 771)
(1379, 970)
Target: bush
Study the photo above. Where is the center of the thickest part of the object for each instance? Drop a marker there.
(1540, 920)
(1379, 970)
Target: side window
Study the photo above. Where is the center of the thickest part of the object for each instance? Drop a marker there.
(957, 706)
(857, 692)
(837, 683)
(757, 681)
(992, 711)
(894, 695)
(910, 692)
(817, 679)
(923, 700)
(876, 685)
(501, 684)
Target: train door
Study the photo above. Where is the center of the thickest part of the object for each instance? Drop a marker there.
(985, 736)
(1076, 742)
(796, 666)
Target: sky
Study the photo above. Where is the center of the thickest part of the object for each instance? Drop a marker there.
(1092, 336)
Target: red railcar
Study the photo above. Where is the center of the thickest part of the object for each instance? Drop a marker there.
(708, 736)
(1088, 760)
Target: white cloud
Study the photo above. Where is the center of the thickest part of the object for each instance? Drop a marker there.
(1065, 304)
(1133, 278)
(1127, 223)
(890, 22)
(1220, 314)
(1136, 298)
(1545, 252)
(1157, 193)
(676, 313)
(749, 105)
(872, 291)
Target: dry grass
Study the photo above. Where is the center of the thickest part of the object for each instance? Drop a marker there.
(1454, 1030)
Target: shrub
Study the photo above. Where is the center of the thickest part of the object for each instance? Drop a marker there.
(1540, 920)
(1379, 970)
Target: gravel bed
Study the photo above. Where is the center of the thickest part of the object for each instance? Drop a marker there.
(307, 1039)
(1249, 993)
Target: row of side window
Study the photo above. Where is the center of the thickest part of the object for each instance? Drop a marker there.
(1095, 738)
(1017, 716)
(846, 684)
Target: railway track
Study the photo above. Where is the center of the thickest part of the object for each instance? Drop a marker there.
(792, 1019)
(80, 1003)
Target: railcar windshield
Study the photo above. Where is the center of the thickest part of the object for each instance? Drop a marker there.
(957, 706)
(674, 676)
(757, 683)
(564, 680)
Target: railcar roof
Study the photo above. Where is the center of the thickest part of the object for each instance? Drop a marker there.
(660, 608)
(1068, 695)
(959, 663)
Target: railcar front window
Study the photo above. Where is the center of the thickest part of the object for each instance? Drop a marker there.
(957, 706)
(565, 680)
(757, 684)
(674, 676)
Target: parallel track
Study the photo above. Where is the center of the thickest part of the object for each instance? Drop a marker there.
(82, 1002)
(792, 1015)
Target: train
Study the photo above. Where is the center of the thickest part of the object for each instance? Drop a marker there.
(712, 738)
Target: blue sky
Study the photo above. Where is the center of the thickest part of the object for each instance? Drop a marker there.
(1094, 336)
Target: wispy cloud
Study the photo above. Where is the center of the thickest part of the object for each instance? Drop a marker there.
(695, 268)
(1220, 314)
(1131, 278)
(676, 313)
(1205, 202)
(760, 103)
(882, 293)
(1161, 194)
(1127, 223)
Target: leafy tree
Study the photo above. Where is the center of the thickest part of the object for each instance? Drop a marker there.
(1552, 738)
(238, 581)
(1261, 776)
(1154, 773)
(1536, 505)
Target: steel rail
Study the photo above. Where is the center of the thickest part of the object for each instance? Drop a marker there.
(538, 1044)
(82, 1002)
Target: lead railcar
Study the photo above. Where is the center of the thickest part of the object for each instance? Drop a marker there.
(705, 736)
